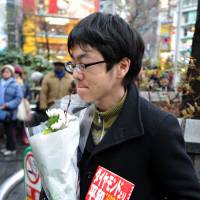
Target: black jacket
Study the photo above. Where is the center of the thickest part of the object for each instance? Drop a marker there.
(145, 146)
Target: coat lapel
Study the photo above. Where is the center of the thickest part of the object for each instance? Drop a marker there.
(127, 126)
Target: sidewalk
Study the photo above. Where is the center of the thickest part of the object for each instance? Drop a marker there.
(10, 165)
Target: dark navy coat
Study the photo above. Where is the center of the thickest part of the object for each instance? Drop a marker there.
(145, 146)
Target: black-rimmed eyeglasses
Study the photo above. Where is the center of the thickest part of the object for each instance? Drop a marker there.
(70, 66)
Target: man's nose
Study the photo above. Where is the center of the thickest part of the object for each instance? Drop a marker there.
(78, 75)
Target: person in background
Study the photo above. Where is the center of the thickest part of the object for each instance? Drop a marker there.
(36, 78)
(127, 134)
(55, 85)
(24, 83)
(10, 97)
(164, 83)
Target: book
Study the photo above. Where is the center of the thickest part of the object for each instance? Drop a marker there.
(107, 185)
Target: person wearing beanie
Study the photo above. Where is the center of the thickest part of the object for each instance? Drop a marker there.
(55, 85)
(10, 68)
(10, 98)
(23, 82)
(18, 74)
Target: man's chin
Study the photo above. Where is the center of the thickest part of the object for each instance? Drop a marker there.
(85, 97)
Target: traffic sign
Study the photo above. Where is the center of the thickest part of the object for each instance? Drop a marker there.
(31, 176)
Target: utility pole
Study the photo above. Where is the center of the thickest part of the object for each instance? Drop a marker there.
(178, 33)
(177, 48)
(191, 99)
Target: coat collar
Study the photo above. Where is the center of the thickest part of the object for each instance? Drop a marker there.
(127, 126)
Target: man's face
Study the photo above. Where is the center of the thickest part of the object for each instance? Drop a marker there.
(59, 68)
(164, 82)
(95, 83)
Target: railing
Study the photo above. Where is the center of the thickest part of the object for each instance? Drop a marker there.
(10, 183)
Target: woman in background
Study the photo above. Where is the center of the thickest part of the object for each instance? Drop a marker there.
(10, 98)
(23, 82)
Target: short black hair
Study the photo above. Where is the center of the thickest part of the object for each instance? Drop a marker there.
(113, 38)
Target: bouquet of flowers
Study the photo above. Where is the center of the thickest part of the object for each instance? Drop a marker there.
(54, 144)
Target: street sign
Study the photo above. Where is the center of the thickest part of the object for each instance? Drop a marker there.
(31, 176)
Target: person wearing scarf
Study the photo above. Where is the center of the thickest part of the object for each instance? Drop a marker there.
(55, 85)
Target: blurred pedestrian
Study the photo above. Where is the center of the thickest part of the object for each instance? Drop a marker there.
(24, 83)
(10, 97)
(164, 83)
(55, 85)
(37, 78)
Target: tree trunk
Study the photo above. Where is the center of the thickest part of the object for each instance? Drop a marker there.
(191, 96)
(196, 38)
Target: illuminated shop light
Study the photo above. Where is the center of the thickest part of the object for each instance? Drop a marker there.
(57, 20)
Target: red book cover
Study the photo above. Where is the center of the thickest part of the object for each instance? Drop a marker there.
(107, 185)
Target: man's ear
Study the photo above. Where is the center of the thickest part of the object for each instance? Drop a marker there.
(123, 67)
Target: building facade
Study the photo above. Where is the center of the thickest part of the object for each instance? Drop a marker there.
(10, 24)
(188, 11)
(47, 24)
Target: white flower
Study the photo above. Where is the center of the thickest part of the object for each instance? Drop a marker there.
(62, 119)
(58, 125)
(55, 112)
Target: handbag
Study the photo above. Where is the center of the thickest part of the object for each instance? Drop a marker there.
(4, 115)
(24, 111)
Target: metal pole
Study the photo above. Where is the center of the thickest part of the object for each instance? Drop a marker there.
(178, 32)
(177, 41)
(10, 183)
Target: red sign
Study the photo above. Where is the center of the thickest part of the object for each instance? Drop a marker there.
(32, 193)
(31, 169)
(53, 9)
(107, 185)
(29, 6)
(32, 179)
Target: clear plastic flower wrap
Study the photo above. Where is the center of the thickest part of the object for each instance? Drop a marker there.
(54, 139)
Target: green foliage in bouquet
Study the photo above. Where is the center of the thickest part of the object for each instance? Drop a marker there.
(52, 120)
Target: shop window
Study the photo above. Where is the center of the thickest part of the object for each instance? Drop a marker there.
(190, 17)
(189, 2)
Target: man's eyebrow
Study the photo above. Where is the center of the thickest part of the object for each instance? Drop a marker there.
(81, 56)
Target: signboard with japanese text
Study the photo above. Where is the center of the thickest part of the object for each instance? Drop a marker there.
(107, 185)
(31, 176)
(166, 31)
(73, 8)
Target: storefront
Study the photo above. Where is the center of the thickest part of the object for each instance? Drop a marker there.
(48, 23)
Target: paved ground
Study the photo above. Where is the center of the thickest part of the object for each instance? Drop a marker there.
(10, 165)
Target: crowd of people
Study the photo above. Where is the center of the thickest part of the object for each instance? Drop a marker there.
(15, 89)
(156, 80)
(11, 94)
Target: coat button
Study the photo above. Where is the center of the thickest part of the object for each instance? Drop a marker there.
(89, 175)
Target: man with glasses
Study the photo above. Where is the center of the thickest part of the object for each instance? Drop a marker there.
(128, 135)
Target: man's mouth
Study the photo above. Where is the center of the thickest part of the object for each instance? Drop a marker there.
(81, 86)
